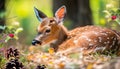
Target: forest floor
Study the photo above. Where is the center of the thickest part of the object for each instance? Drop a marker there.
(36, 57)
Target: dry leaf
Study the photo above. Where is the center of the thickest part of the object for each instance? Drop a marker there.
(90, 66)
(30, 57)
(31, 48)
(51, 50)
(61, 65)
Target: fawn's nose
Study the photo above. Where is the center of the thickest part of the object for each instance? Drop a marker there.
(34, 42)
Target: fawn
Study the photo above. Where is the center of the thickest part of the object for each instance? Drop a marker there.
(88, 39)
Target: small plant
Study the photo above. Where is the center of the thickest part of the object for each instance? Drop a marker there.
(2, 61)
(40, 67)
(112, 15)
(8, 33)
(13, 59)
(12, 53)
(14, 64)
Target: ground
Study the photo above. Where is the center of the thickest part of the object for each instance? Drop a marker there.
(36, 57)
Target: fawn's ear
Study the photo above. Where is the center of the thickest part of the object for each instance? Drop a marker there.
(39, 14)
(60, 13)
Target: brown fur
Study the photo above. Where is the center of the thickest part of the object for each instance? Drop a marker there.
(86, 39)
(90, 39)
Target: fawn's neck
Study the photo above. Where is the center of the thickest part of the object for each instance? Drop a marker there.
(62, 36)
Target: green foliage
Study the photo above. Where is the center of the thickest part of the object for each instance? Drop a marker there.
(9, 32)
(112, 15)
(2, 62)
(95, 10)
(101, 8)
(2, 27)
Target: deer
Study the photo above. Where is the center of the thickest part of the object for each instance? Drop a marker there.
(86, 39)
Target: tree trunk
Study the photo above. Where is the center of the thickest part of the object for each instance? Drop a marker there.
(78, 11)
(2, 16)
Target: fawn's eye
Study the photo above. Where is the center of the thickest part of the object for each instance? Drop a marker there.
(47, 31)
(51, 21)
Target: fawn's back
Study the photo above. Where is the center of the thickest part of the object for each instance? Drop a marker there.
(86, 39)
(90, 39)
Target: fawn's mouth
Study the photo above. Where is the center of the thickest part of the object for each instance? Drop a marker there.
(35, 42)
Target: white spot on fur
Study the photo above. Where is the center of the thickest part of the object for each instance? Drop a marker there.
(53, 41)
(105, 42)
(90, 44)
(100, 39)
(105, 34)
(75, 42)
(111, 46)
(99, 48)
(95, 40)
(85, 37)
(114, 40)
(96, 33)
(108, 42)
(108, 38)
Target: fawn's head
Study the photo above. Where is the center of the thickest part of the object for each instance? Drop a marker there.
(49, 28)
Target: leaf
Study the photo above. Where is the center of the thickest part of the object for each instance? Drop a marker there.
(32, 48)
(44, 56)
(118, 21)
(51, 50)
(7, 39)
(2, 27)
(18, 30)
(74, 55)
(90, 66)
(15, 37)
(50, 62)
(107, 12)
(61, 65)
(30, 57)
(118, 11)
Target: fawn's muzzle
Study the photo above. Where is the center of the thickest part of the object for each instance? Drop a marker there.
(34, 42)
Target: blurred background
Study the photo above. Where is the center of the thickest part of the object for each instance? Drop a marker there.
(79, 13)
